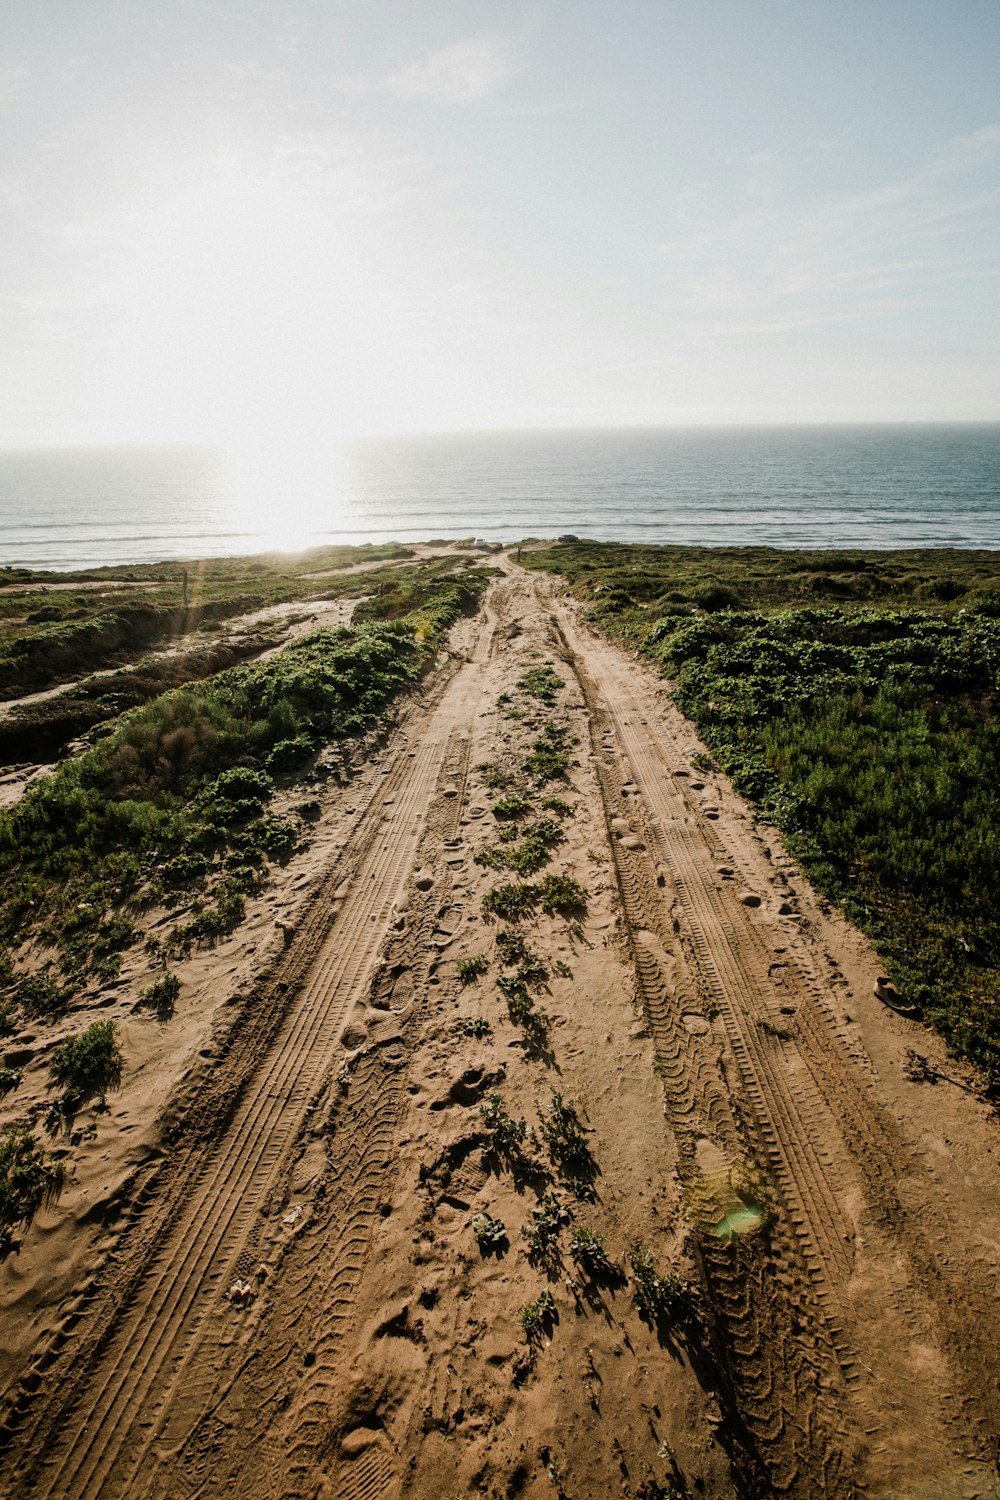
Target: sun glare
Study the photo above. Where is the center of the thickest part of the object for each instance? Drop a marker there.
(283, 496)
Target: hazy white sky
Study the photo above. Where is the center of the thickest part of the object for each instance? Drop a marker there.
(272, 223)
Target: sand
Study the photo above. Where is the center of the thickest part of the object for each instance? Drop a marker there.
(261, 1278)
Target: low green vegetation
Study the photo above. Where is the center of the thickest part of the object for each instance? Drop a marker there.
(28, 1178)
(855, 698)
(541, 682)
(659, 1298)
(536, 1318)
(46, 637)
(588, 1254)
(87, 1066)
(161, 995)
(173, 803)
(471, 968)
(489, 1232)
(563, 1132)
(548, 1219)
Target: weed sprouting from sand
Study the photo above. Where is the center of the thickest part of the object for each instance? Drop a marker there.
(511, 946)
(161, 995)
(86, 1066)
(512, 902)
(28, 1177)
(505, 1135)
(561, 1129)
(541, 682)
(588, 1254)
(659, 1298)
(512, 807)
(548, 1219)
(470, 968)
(490, 1233)
(536, 1318)
(561, 894)
(475, 1026)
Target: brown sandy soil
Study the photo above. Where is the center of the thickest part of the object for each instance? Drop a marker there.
(310, 1124)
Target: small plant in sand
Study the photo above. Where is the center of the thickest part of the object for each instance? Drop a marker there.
(161, 995)
(86, 1066)
(496, 776)
(531, 970)
(548, 1219)
(659, 1297)
(514, 806)
(470, 968)
(558, 806)
(537, 1317)
(506, 1135)
(491, 859)
(528, 857)
(511, 947)
(510, 902)
(541, 682)
(28, 1177)
(40, 997)
(562, 894)
(566, 1138)
(490, 1233)
(546, 762)
(474, 1026)
(589, 1255)
(9, 1079)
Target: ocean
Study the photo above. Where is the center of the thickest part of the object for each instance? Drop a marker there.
(824, 487)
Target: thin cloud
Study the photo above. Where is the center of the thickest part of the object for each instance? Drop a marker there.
(785, 265)
(457, 74)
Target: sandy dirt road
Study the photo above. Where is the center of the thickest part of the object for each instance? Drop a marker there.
(744, 1110)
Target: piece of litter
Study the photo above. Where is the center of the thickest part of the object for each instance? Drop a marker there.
(292, 1217)
(241, 1293)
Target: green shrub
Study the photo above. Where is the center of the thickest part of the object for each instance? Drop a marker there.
(541, 682)
(588, 1253)
(548, 1219)
(511, 946)
(490, 1233)
(470, 968)
(536, 1318)
(510, 902)
(564, 1134)
(514, 806)
(39, 996)
(161, 995)
(562, 894)
(86, 1066)
(659, 1298)
(28, 1177)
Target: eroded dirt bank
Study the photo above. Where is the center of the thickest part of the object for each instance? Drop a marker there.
(295, 1303)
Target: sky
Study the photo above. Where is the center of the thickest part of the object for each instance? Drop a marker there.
(270, 225)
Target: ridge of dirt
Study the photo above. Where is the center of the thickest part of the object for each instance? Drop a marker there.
(295, 1302)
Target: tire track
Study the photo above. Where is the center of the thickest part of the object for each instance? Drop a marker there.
(776, 1350)
(145, 1357)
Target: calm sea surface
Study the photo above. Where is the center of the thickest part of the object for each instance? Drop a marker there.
(912, 486)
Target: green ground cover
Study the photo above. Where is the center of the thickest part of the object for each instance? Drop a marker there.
(173, 803)
(47, 636)
(855, 698)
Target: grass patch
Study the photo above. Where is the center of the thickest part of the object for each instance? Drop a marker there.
(86, 1066)
(28, 1178)
(541, 682)
(512, 902)
(471, 968)
(855, 698)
